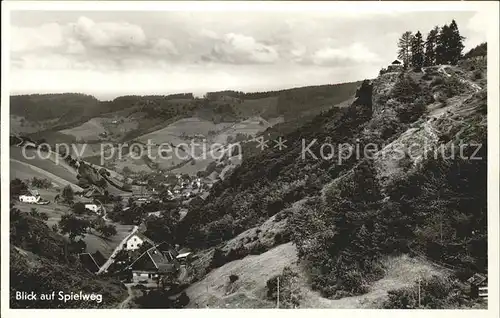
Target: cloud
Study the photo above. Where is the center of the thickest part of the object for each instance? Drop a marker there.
(46, 36)
(108, 34)
(479, 22)
(86, 43)
(356, 53)
(209, 34)
(163, 46)
(236, 48)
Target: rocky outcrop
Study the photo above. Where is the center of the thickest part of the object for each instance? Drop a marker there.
(364, 94)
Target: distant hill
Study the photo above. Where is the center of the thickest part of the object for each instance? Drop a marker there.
(67, 107)
(47, 115)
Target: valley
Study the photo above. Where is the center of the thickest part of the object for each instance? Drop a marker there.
(177, 201)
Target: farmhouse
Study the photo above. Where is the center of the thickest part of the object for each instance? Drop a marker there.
(153, 264)
(28, 198)
(93, 207)
(136, 240)
(31, 197)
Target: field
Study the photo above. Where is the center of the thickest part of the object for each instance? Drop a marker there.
(24, 171)
(20, 125)
(89, 130)
(184, 131)
(114, 127)
(188, 127)
(61, 169)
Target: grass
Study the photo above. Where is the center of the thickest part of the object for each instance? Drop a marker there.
(61, 170)
(22, 170)
(250, 289)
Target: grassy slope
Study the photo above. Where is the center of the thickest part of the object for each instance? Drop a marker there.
(249, 290)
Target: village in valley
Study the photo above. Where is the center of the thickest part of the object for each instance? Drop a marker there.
(133, 257)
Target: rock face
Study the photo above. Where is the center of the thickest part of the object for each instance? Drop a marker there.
(364, 94)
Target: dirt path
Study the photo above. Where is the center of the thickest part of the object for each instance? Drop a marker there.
(117, 249)
(471, 84)
(124, 303)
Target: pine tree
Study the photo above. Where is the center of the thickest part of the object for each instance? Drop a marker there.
(455, 44)
(430, 47)
(442, 46)
(417, 51)
(404, 45)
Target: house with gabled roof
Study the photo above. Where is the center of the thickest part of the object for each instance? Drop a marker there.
(478, 286)
(395, 66)
(135, 241)
(92, 261)
(92, 191)
(152, 265)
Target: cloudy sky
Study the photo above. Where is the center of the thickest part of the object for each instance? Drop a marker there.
(108, 54)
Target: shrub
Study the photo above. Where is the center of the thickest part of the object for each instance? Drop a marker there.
(405, 89)
(426, 77)
(435, 292)
(233, 278)
(437, 81)
(477, 75)
(290, 294)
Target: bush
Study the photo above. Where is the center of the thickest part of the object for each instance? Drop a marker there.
(233, 278)
(426, 77)
(435, 292)
(477, 75)
(79, 208)
(437, 81)
(290, 294)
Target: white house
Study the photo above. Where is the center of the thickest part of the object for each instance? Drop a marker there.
(93, 207)
(135, 241)
(29, 198)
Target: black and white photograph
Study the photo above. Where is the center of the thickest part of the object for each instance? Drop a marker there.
(250, 155)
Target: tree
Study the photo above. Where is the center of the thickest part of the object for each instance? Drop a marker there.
(17, 187)
(163, 228)
(40, 215)
(455, 44)
(75, 227)
(68, 194)
(417, 51)
(404, 45)
(98, 223)
(480, 50)
(79, 208)
(443, 45)
(108, 230)
(430, 47)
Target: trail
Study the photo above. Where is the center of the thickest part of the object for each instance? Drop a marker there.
(471, 84)
(118, 248)
(124, 303)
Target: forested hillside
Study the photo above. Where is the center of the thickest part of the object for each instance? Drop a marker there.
(429, 203)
